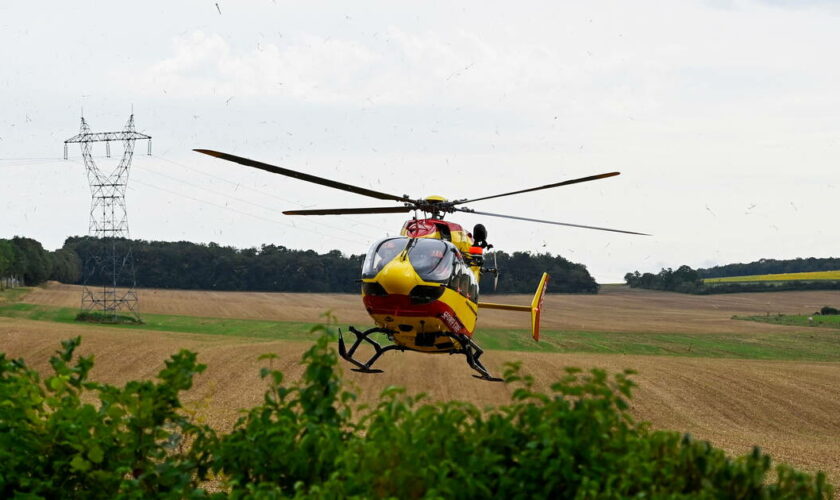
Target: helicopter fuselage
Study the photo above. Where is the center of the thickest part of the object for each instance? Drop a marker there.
(423, 285)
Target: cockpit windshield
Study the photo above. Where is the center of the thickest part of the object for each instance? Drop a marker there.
(381, 253)
(432, 259)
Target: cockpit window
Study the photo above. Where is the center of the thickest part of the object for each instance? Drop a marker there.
(381, 253)
(432, 259)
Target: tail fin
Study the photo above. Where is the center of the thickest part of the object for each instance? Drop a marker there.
(536, 306)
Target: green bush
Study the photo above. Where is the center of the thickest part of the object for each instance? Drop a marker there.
(113, 319)
(309, 439)
(132, 443)
(828, 310)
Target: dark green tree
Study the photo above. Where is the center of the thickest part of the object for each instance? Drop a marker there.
(31, 262)
(7, 258)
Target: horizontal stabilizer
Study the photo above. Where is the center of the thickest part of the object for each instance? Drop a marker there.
(535, 308)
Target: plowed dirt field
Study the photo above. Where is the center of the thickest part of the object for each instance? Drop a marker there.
(789, 408)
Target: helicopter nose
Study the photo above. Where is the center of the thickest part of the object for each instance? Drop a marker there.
(398, 276)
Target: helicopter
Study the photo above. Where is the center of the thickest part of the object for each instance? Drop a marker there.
(421, 288)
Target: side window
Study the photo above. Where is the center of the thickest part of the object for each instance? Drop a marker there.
(455, 280)
(463, 281)
(473, 286)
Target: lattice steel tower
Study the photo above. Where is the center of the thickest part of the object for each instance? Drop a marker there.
(112, 264)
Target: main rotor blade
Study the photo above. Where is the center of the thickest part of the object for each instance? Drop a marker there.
(342, 211)
(300, 175)
(547, 186)
(470, 211)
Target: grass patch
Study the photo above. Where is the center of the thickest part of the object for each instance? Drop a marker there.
(258, 329)
(13, 294)
(817, 320)
(816, 346)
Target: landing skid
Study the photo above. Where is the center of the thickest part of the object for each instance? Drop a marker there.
(364, 337)
(469, 349)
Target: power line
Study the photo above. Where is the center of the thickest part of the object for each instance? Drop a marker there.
(199, 200)
(32, 158)
(27, 163)
(264, 207)
(30, 161)
(43, 162)
(265, 193)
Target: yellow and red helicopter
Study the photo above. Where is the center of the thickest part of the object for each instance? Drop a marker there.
(421, 288)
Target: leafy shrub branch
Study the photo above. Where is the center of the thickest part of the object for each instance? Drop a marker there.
(65, 436)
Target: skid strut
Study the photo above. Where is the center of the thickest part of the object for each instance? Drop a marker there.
(364, 337)
(473, 352)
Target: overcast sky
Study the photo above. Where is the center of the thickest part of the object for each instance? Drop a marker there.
(723, 118)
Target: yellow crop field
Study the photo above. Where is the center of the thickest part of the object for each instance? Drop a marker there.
(814, 276)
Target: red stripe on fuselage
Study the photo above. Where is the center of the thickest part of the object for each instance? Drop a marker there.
(400, 305)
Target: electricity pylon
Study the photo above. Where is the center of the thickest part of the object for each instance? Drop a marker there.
(111, 265)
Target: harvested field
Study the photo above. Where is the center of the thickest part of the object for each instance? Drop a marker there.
(615, 309)
(790, 409)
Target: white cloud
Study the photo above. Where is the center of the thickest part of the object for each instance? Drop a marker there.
(398, 68)
(309, 69)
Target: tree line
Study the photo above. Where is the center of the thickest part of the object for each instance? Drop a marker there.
(687, 280)
(520, 272)
(194, 266)
(23, 261)
(684, 279)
